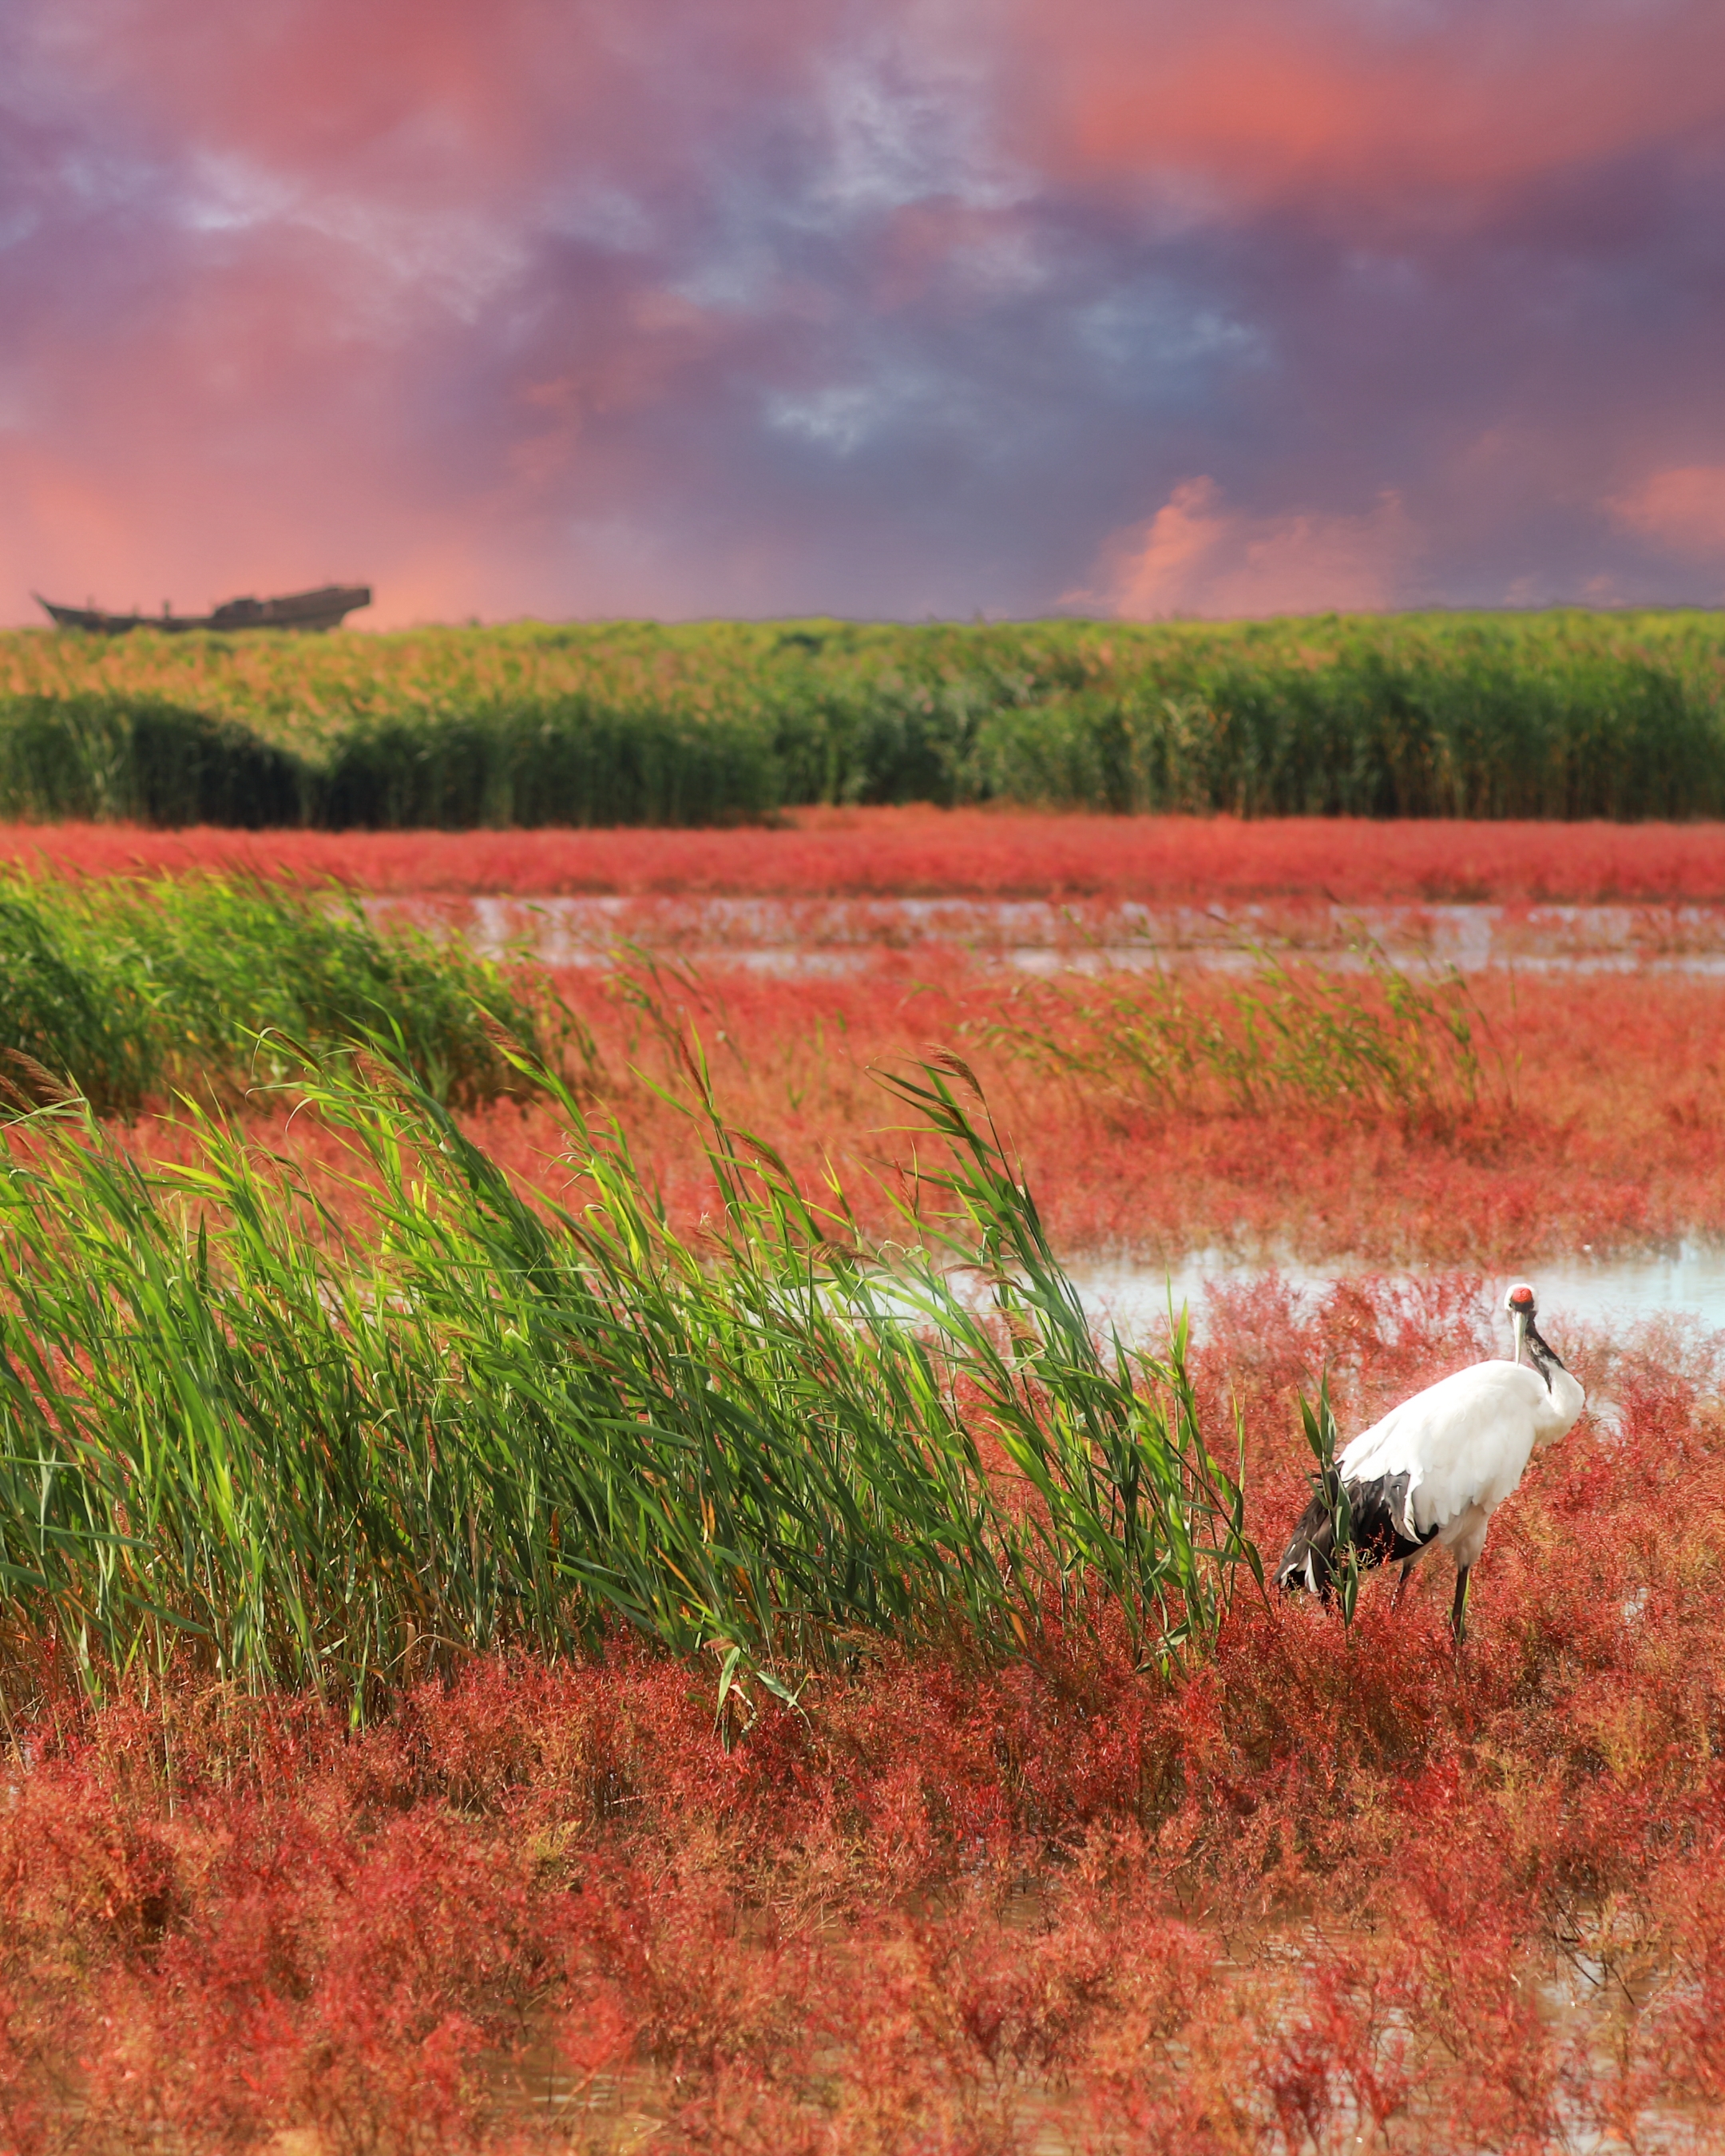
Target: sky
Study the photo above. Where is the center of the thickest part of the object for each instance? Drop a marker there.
(583, 308)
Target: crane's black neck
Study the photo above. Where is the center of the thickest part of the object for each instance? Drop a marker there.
(1546, 1359)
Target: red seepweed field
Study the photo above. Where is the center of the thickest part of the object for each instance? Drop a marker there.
(1595, 1132)
(923, 852)
(1317, 1891)
(1313, 1890)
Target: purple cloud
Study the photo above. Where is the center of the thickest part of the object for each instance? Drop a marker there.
(931, 308)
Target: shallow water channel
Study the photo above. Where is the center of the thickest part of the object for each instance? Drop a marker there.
(806, 937)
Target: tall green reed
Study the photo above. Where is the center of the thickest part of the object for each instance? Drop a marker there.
(102, 757)
(124, 990)
(1561, 714)
(572, 760)
(236, 1433)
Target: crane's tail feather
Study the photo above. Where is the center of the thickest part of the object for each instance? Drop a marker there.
(1380, 1527)
(1309, 1562)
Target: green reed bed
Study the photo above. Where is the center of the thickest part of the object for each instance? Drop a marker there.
(237, 1437)
(1565, 714)
(125, 991)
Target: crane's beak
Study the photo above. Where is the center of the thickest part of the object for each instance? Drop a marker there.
(1519, 1319)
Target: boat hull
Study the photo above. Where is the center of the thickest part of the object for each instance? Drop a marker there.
(320, 609)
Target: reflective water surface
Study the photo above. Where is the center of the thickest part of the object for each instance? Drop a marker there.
(1617, 1292)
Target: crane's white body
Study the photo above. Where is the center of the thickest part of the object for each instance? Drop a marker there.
(1464, 1444)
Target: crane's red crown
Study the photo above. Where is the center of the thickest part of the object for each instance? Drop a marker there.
(1521, 1297)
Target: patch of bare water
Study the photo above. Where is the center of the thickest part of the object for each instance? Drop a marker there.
(1619, 1294)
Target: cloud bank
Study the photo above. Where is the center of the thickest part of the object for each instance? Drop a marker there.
(923, 307)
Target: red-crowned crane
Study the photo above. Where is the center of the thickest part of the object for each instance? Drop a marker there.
(1436, 1469)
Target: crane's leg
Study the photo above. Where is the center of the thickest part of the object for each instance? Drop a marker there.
(1401, 1585)
(1458, 1612)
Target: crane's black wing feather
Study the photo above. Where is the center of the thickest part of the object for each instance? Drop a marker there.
(1376, 1511)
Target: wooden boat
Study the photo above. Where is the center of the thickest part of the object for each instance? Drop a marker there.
(322, 608)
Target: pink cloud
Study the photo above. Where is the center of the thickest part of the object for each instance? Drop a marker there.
(1308, 97)
(1196, 556)
(1682, 510)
